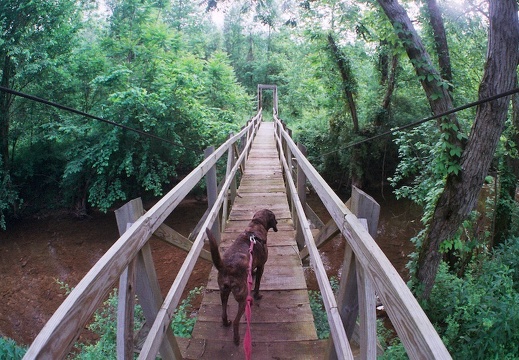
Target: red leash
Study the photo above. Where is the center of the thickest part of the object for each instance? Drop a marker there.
(247, 341)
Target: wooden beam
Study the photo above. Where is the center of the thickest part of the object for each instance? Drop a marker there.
(125, 313)
(212, 191)
(328, 232)
(313, 217)
(146, 286)
(365, 207)
(301, 193)
(125, 217)
(225, 206)
(367, 315)
(167, 234)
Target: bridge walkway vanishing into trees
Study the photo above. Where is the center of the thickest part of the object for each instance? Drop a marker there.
(282, 323)
(274, 174)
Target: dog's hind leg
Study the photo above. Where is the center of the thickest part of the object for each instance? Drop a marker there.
(236, 323)
(224, 296)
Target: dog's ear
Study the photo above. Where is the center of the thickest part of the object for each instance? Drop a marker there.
(272, 221)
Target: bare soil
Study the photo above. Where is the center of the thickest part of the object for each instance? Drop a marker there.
(37, 253)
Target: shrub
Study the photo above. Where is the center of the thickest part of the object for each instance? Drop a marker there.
(9, 197)
(9, 350)
(105, 325)
(183, 320)
(478, 315)
(316, 304)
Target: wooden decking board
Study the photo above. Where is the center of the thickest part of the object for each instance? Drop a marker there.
(274, 278)
(261, 332)
(275, 306)
(285, 225)
(228, 238)
(247, 215)
(282, 322)
(301, 350)
(278, 255)
(250, 209)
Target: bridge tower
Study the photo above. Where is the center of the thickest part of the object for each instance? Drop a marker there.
(274, 88)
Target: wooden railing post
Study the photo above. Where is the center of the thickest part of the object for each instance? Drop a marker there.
(367, 314)
(212, 191)
(356, 295)
(288, 158)
(301, 193)
(230, 164)
(125, 216)
(146, 287)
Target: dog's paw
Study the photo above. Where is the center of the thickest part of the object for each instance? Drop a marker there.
(237, 340)
(227, 323)
(257, 296)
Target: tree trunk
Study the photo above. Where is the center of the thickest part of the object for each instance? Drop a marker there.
(5, 106)
(436, 89)
(440, 40)
(391, 82)
(348, 82)
(461, 189)
(461, 192)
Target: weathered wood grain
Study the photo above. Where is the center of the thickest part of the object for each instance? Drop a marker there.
(300, 350)
(413, 327)
(58, 335)
(283, 316)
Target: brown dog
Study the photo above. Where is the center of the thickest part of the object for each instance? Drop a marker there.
(234, 266)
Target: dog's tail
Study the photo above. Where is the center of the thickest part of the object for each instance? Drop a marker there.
(215, 253)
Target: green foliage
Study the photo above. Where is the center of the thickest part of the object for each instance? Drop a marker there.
(184, 320)
(393, 347)
(316, 304)
(478, 315)
(9, 197)
(416, 177)
(105, 325)
(9, 350)
(153, 66)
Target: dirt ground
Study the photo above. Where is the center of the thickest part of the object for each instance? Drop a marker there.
(37, 253)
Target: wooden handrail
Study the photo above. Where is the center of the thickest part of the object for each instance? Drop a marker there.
(342, 346)
(59, 333)
(151, 345)
(411, 323)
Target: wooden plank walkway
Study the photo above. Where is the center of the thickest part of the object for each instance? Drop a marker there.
(282, 321)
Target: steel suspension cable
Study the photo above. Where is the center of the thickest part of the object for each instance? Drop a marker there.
(419, 122)
(82, 113)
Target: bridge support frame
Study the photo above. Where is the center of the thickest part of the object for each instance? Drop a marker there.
(139, 279)
(274, 88)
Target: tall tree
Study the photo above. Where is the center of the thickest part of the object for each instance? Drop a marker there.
(32, 32)
(461, 191)
(463, 185)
